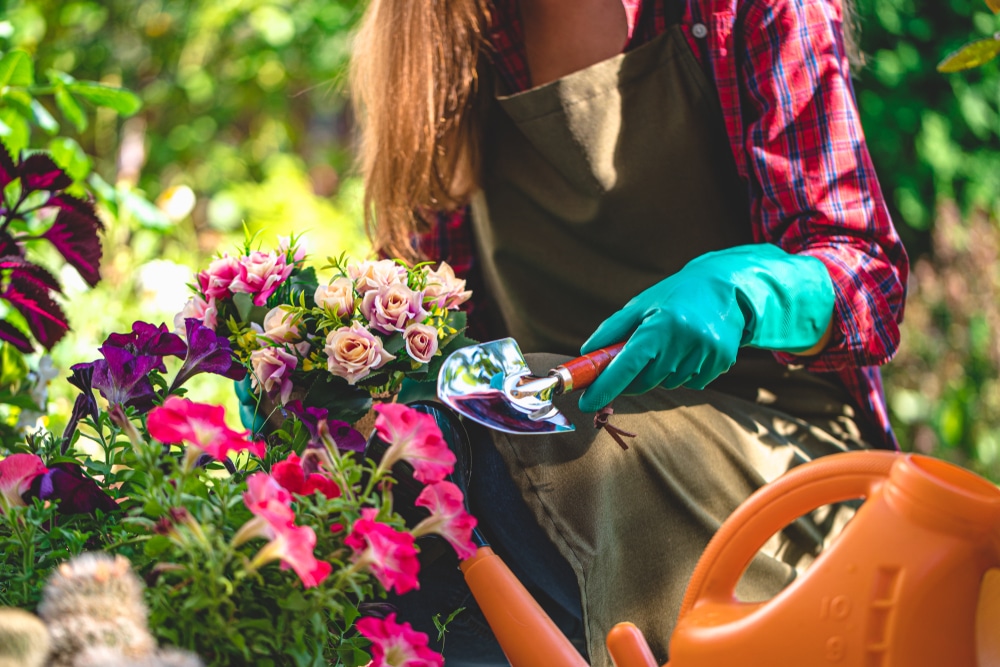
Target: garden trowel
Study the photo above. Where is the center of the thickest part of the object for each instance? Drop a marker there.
(491, 384)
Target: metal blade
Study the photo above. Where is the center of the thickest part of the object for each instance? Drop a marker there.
(476, 381)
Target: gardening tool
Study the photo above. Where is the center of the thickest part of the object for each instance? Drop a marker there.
(491, 384)
(910, 582)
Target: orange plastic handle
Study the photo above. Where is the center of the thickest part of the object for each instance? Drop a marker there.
(584, 370)
(831, 479)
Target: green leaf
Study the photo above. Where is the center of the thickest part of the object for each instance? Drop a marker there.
(69, 155)
(19, 100)
(971, 55)
(71, 109)
(14, 130)
(244, 304)
(17, 69)
(125, 102)
(43, 118)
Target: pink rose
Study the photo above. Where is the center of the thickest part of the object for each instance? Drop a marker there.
(216, 281)
(205, 312)
(261, 273)
(337, 297)
(443, 289)
(272, 368)
(389, 553)
(372, 275)
(280, 326)
(353, 352)
(421, 342)
(392, 307)
(397, 645)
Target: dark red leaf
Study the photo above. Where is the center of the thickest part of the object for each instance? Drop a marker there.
(40, 172)
(30, 271)
(71, 203)
(15, 337)
(8, 246)
(44, 316)
(8, 172)
(75, 236)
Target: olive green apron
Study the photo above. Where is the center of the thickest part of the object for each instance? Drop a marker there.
(595, 187)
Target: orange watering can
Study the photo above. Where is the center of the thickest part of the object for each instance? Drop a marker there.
(908, 583)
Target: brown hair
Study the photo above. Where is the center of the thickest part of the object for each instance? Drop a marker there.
(414, 78)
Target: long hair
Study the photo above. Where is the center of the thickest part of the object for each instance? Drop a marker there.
(413, 79)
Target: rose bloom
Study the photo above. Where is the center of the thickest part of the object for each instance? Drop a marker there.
(353, 352)
(443, 289)
(391, 308)
(337, 297)
(421, 342)
(280, 326)
(375, 274)
(285, 247)
(197, 308)
(216, 281)
(272, 368)
(261, 273)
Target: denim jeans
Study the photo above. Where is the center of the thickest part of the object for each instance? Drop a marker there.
(515, 536)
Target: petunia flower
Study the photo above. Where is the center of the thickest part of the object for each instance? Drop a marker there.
(274, 520)
(323, 431)
(148, 339)
(448, 517)
(291, 476)
(85, 404)
(389, 554)
(200, 425)
(123, 377)
(17, 472)
(415, 438)
(75, 492)
(207, 352)
(397, 644)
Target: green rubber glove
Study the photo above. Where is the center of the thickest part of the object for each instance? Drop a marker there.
(687, 329)
(250, 415)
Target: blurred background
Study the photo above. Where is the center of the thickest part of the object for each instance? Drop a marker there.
(245, 121)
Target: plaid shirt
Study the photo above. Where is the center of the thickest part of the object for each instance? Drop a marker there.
(783, 82)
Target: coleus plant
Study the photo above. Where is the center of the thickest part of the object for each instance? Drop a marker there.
(37, 208)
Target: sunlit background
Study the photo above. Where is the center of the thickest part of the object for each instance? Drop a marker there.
(246, 122)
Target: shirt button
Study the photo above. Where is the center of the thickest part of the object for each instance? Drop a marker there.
(699, 30)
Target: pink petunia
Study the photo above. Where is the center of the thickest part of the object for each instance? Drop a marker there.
(397, 644)
(448, 517)
(415, 438)
(200, 425)
(17, 472)
(290, 475)
(389, 553)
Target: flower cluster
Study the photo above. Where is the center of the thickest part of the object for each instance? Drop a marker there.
(360, 333)
(232, 532)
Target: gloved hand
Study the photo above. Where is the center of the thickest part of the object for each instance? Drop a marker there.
(251, 416)
(687, 329)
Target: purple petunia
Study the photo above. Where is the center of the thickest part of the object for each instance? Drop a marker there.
(75, 492)
(207, 352)
(345, 436)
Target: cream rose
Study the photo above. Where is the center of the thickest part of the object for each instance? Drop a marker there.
(443, 289)
(354, 352)
(272, 368)
(392, 308)
(374, 274)
(280, 326)
(337, 297)
(421, 342)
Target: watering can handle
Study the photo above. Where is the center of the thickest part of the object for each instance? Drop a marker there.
(831, 479)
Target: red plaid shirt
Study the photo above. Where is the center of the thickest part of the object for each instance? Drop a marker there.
(782, 78)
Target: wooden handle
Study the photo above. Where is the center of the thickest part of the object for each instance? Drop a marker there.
(582, 371)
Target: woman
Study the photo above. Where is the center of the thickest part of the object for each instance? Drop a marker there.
(688, 176)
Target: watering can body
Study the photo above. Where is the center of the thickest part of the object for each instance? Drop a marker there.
(900, 587)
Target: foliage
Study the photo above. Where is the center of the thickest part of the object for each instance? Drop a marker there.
(203, 512)
(974, 53)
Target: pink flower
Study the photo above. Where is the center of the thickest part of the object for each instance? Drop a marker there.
(375, 274)
(291, 475)
(17, 472)
(215, 281)
(353, 352)
(261, 273)
(443, 289)
(272, 368)
(414, 437)
(392, 307)
(397, 645)
(281, 326)
(205, 312)
(337, 297)
(274, 520)
(448, 517)
(389, 553)
(201, 425)
(421, 342)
